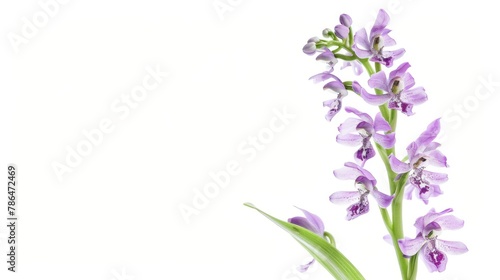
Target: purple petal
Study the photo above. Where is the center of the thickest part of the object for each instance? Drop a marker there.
(387, 238)
(313, 39)
(409, 191)
(361, 40)
(431, 146)
(398, 166)
(309, 48)
(408, 81)
(374, 99)
(356, 67)
(352, 171)
(432, 215)
(379, 81)
(364, 116)
(361, 53)
(385, 140)
(397, 53)
(344, 197)
(364, 172)
(364, 153)
(381, 124)
(347, 173)
(410, 247)
(434, 177)
(323, 77)
(412, 150)
(302, 222)
(434, 259)
(429, 134)
(349, 139)
(381, 21)
(452, 247)
(345, 20)
(450, 222)
(388, 41)
(400, 71)
(358, 209)
(436, 158)
(414, 96)
(349, 125)
(356, 87)
(315, 221)
(335, 105)
(396, 104)
(336, 86)
(327, 56)
(304, 267)
(426, 192)
(382, 199)
(341, 31)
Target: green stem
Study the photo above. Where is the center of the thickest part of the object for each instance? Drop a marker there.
(397, 231)
(342, 45)
(366, 63)
(346, 57)
(394, 226)
(330, 238)
(386, 218)
(412, 272)
(351, 37)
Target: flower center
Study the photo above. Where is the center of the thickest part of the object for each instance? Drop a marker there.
(419, 162)
(378, 43)
(361, 188)
(397, 85)
(363, 132)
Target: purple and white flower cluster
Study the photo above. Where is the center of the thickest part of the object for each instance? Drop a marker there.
(391, 91)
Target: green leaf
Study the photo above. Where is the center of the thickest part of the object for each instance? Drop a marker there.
(327, 255)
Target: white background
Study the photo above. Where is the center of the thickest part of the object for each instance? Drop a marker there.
(116, 214)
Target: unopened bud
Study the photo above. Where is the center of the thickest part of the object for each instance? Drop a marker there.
(345, 20)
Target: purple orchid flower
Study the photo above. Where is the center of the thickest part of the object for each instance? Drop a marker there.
(400, 94)
(328, 57)
(334, 104)
(365, 183)
(337, 87)
(359, 131)
(431, 249)
(422, 153)
(312, 223)
(379, 39)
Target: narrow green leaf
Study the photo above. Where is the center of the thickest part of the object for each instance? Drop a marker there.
(327, 255)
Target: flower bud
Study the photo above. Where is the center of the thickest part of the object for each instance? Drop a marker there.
(309, 48)
(345, 20)
(327, 32)
(341, 31)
